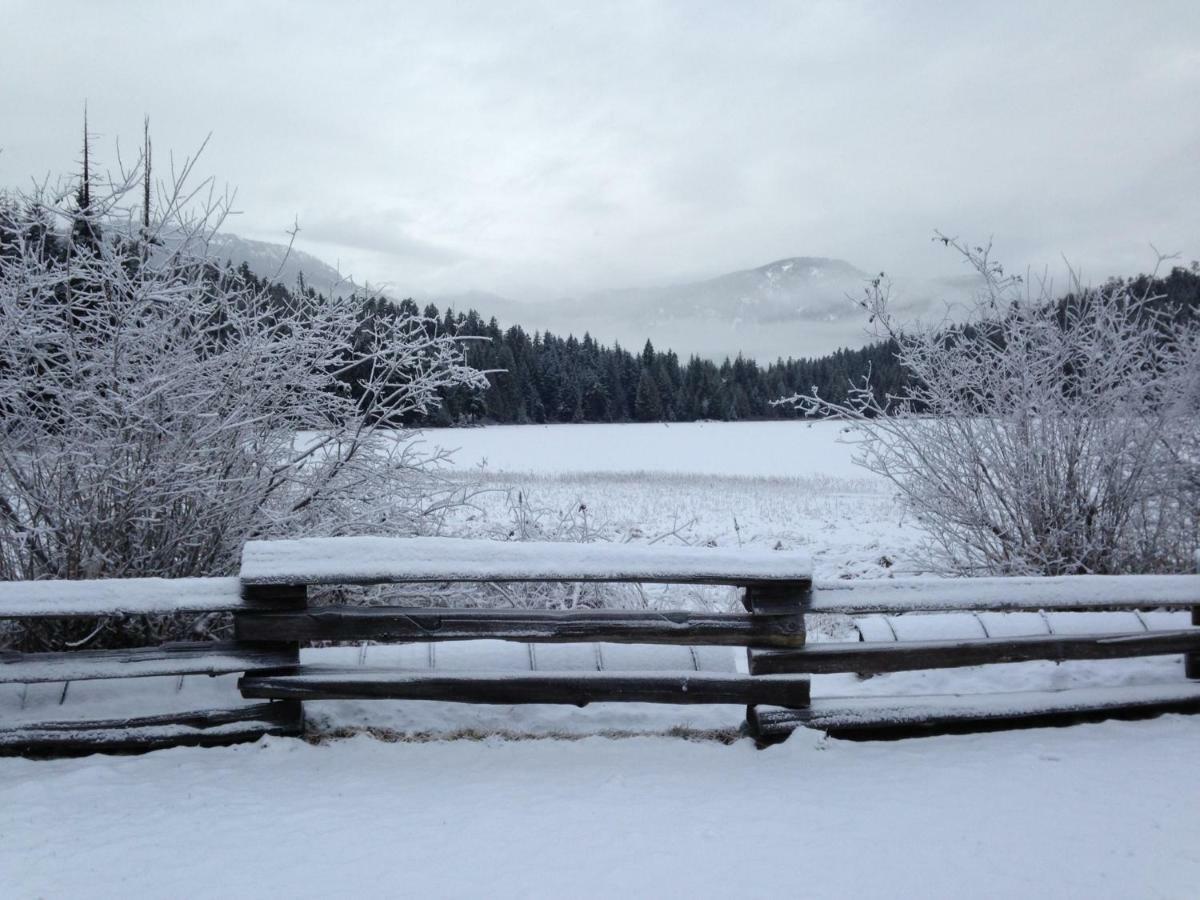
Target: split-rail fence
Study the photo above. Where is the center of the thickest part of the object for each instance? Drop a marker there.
(273, 619)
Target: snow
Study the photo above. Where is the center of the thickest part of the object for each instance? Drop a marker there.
(1095, 811)
(1106, 810)
(921, 708)
(775, 449)
(1079, 591)
(952, 626)
(365, 560)
(118, 596)
(84, 701)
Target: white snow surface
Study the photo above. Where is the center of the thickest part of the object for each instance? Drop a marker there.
(1095, 811)
(364, 560)
(1091, 811)
(776, 449)
(118, 596)
(1081, 591)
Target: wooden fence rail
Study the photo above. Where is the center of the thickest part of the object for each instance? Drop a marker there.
(273, 618)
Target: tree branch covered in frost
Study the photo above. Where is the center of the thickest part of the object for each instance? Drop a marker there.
(150, 400)
(1039, 435)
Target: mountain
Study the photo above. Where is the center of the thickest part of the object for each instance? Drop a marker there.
(277, 263)
(800, 306)
(800, 288)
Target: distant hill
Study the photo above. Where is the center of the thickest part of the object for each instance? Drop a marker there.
(274, 262)
(800, 306)
(796, 307)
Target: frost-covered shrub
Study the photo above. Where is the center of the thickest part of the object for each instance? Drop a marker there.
(1040, 435)
(150, 401)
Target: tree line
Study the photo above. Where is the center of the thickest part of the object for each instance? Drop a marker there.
(544, 378)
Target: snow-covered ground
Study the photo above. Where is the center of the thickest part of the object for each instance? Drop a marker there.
(779, 449)
(1094, 811)
(779, 485)
(1108, 810)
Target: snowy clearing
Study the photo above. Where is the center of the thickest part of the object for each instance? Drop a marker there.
(1106, 810)
(780, 449)
(1094, 811)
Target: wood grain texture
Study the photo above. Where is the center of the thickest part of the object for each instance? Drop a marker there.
(898, 717)
(1191, 662)
(193, 658)
(576, 688)
(878, 658)
(543, 626)
(212, 727)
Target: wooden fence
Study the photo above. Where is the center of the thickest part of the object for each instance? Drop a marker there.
(273, 618)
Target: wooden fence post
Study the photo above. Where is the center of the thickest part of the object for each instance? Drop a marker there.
(263, 597)
(790, 599)
(1191, 661)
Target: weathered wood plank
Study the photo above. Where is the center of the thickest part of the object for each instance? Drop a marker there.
(777, 599)
(1191, 662)
(894, 717)
(1066, 593)
(274, 596)
(877, 658)
(193, 658)
(186, 729)
(118, 596)
(375, 560)
(383, 623)
(763, 600)
(577, 688)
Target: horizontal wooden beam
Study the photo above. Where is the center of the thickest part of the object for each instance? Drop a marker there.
(576, 688)
(384, 623)
(195, 658)
(774, 599)
(378, 560)
(212, 727)
(118, 597)
(877, 658)
(896, 717)
(1068, 593)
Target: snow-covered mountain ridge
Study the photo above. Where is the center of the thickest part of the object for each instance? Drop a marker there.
(797, 306)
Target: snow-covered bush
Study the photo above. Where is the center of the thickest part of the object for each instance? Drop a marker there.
(1040, 434)
(150, 400)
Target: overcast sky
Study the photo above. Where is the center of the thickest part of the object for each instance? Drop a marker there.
(542, 149)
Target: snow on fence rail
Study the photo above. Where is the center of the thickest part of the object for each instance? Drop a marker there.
(1049, 593)
(272, 617)
(378, 560)
(118, 597)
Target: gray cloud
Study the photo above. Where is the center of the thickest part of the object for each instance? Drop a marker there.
(542, 149)
(376, 232)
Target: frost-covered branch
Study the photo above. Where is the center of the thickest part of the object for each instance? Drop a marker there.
(150, 400)
(1039, 434)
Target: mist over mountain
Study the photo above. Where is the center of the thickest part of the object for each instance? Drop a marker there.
(276, 262)
(800, 306)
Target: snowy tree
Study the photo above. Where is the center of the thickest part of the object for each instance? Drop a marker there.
(157, 410)
(648, 403)
(1039, 434)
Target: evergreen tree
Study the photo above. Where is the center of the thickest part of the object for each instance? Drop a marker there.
(648, 406)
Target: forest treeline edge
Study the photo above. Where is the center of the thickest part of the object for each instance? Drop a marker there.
(544, 378)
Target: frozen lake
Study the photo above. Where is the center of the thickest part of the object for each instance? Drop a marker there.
(776, 449)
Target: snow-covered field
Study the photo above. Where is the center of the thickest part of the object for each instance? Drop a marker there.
(779, 449)
(790, 485)
(1109, 810)
(1096, 811)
